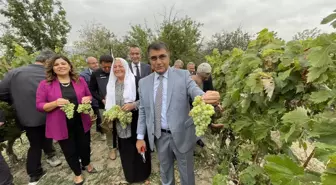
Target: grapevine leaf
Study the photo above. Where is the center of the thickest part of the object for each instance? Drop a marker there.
(261, 130)
(269, 86)
(323, 151)
(329, 18)
(248, 175)
(314, 73)
(288, 134)
(299, 115)
(323, 127)
(241, 124)
(333, 24)
(245, 154)
(300, 88)
(254, 83)
(219, 180)
(320, 96)
(283, 170)
(320, 57)
(329, 176)
(284, 75)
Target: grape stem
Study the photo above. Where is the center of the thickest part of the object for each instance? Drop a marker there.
(309, 158)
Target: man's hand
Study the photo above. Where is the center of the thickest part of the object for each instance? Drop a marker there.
(128, 107)
(2, 123)
(104, 101)
(211, 97)
(140, 144)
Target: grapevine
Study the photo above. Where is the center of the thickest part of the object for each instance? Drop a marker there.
(116, 113)
(201, 114)
(279, 95)
(69, 110)
(84, 108)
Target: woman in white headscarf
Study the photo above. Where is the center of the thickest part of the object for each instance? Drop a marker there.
(121, 90)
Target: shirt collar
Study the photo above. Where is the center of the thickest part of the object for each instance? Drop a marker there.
(133, 65)
(165, 75)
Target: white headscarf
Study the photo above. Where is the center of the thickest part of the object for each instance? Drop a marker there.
(129, 86)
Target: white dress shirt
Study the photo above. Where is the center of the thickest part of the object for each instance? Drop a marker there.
(164, 124)
(134, 68)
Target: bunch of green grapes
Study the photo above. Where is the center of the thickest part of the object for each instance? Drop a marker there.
(116, 112)
(84, 108)
(201, 114)
(125, 119)
(69, 110)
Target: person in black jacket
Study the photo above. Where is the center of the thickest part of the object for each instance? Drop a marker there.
(6, 177)
(97, 86)
(20, 85)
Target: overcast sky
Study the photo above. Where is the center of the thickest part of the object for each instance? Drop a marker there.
(284, 16)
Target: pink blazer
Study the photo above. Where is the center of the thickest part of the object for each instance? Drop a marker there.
(56, 125)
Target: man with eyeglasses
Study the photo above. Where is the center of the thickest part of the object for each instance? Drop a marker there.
(97, 86)
(164, 115)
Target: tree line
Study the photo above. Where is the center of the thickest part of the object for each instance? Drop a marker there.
(42, 24)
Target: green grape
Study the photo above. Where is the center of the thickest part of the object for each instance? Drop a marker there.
(201, 114)
(69, 110)
(116, 113)
(84, 108)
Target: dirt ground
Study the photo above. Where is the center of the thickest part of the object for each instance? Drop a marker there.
(110, 172)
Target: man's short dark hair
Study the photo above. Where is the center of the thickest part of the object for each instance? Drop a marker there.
(106, 59)
(157, 46)
(44, 55)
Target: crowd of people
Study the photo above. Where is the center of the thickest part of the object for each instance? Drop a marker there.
(159, 97)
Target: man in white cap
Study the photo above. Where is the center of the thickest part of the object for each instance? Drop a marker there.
(202, 74)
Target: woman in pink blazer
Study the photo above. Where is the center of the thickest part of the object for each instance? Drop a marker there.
(63, 86)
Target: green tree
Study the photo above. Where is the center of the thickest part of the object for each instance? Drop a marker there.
(306, 34)
(142, 37)
(34, 24)
(98, 40)
(229, 40)
(183, 37)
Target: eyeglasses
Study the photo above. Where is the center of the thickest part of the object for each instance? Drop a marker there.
(155, 58)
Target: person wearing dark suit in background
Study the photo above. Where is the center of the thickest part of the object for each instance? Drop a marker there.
(6, 177)
(98, 83)
(136, 65)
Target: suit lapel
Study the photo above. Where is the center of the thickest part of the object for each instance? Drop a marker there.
(142, 70)
(151, 90)
(170, 85)
(130, 66)
(56, 89)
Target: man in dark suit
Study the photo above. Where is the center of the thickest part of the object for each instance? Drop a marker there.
(136, 65)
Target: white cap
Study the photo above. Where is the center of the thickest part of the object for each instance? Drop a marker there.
(204, 68)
